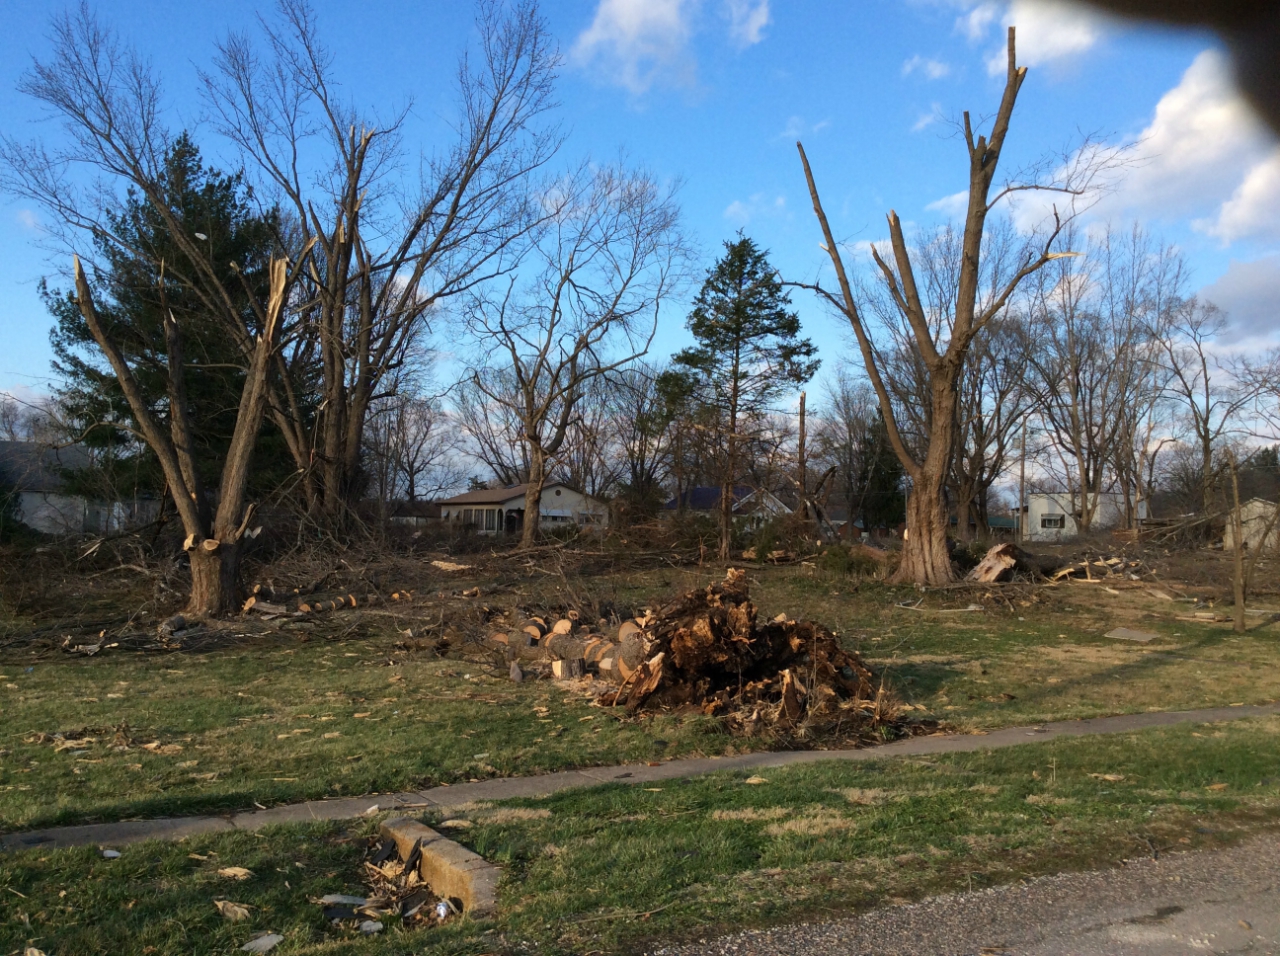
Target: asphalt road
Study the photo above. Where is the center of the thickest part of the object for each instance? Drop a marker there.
(1207, 902)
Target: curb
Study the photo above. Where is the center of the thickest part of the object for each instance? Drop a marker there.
(450, 869)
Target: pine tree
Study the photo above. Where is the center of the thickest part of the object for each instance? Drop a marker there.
(748, 354)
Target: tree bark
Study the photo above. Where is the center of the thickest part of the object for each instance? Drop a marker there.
(533, 497)
(214, 579)
(925, 559)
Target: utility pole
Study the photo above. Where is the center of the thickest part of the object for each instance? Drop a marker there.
(1022, 487)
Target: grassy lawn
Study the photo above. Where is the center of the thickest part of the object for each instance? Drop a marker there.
(608, 869)
(287, 717)
(280, 724)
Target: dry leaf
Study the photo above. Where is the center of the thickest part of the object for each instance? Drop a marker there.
(1109, 777)
(232, 911)
(235, 872)
(1216, 786)
(755, 780)
(196, 856)
(331, 734)
(365, 714)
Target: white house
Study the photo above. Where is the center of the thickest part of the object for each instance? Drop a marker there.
(501, 510)
(1056, 515)
(1255, 516)
(33, 485)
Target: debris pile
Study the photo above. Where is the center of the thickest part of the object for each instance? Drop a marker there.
(1101, 567)
(396, 891)
(706, 651)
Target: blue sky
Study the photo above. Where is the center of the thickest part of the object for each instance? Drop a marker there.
(715, 93)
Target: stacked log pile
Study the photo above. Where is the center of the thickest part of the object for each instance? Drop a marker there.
(706, 651)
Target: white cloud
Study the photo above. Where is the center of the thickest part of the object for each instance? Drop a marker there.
(957, 204)
(1048, 30)
(974, 23)
(1201, 144)
(28, 219)
(932, 69)
(797, 126)
(639, 42)
(1253, 211)
(1248, 291)
(740, 213)
(925, 120)
(747, 20)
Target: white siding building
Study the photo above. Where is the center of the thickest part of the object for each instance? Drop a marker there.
(1054, 516)
(501, 510)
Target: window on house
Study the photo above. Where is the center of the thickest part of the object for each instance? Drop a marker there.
(468, 515)
(1053, 522)
(490, 519)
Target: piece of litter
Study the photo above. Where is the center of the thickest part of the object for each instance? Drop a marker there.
(235, 873)
(1127, 634)
(263, 944)
(1109, 777)
(371, 811)
(653, 790)
(340, 899)
(370, 926)
(755, 780)
(232, 911)
(111, 854)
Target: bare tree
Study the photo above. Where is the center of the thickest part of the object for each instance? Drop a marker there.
(1209, 390)
(493, 426)
(590, 460)
(642, 419)
(387, 257)
(411, 449)
(585, 304)
(925, 557)
(1097, 323)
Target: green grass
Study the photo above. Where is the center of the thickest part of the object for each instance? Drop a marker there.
(274, 720)
(278, 724)
(1029, 660)
(611, 868)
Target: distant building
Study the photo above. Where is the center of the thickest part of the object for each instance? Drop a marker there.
(413, 514)
(501, 510)
(1056, 515)
(751, 508)
(1255, 515)
(33, 481)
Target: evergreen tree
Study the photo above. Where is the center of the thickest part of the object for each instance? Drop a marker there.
(748, 354)
(134, 297)
(880, 496)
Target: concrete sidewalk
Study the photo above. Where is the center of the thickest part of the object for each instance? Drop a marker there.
(174, 828)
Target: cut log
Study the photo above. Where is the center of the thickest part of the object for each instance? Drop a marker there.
(562, 626)
(567, 669)
(210, 544)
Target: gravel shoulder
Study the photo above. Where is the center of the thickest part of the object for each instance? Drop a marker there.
(1221, 901)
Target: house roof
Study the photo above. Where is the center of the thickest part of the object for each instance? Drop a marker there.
(497, 496)
(415, 509)
(704, 498)
(31, 466)
(488, 496)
